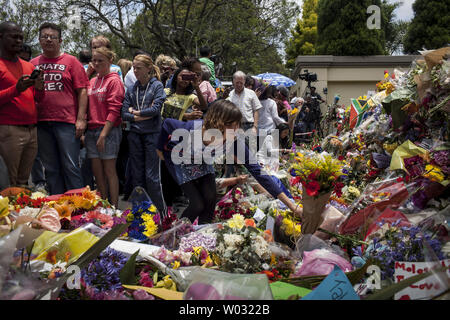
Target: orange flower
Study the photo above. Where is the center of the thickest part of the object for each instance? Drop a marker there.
(249, 223)
(217, 90)
(51, 256)
(64, 210)
(268, 236)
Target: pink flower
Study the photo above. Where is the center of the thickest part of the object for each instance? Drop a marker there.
(142, 295)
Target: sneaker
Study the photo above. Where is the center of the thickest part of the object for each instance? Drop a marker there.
(40, 187)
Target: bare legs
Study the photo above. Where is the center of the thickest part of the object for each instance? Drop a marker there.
(106, 178)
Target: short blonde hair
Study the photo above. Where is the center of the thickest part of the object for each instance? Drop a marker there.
(148, 62)
(165, 61)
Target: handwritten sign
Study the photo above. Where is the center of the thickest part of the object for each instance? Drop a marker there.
(428, 288)
(335, 286)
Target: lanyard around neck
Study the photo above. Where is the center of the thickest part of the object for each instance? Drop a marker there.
(143, 99)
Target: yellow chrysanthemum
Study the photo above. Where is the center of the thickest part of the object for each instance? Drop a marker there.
(236, 222)
(150, 226)
(434, 173)
(291, 228)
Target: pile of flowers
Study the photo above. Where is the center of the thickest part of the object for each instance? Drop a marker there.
(318, 173)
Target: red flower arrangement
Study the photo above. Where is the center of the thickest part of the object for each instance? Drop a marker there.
(24, 200)
(229, 206)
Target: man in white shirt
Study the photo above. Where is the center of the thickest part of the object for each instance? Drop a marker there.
(247, 102)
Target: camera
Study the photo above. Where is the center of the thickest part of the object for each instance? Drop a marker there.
(308, 77)
(35, 74)
(188, 77)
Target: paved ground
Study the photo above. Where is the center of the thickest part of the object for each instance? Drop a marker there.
(178, 207)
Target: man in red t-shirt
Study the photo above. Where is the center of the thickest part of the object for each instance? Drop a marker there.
(62, 113)
(18, 115)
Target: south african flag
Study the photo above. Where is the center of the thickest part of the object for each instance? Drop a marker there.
(357, 110)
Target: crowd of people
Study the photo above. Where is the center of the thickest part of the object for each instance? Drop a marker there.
(69, 122)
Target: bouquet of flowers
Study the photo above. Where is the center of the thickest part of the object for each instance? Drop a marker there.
(287, 227)
(319, 175)
(240, 247)
(145, 221)
(230, 205)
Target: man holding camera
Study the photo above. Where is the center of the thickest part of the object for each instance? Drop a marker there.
(20, 85)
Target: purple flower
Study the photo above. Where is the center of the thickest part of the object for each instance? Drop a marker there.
(102, 274)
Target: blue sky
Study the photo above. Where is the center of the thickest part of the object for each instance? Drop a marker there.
(405, 11)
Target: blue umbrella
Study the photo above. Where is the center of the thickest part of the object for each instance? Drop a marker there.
(276, 79)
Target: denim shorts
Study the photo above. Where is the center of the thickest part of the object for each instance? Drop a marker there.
(112, 143)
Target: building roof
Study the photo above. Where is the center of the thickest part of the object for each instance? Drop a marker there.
(317, 61)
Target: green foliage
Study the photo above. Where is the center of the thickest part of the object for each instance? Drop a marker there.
(342, 27)
(304, 35)
(245, 32)
(430, 26)
(127, 274)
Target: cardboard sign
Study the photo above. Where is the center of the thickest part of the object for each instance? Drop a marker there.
(335, 286)
(428, 288)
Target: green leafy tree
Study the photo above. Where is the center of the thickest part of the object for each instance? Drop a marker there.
(304, 34)
(342, 27)
(396, 38)
(430, 26)
(248, 33)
